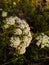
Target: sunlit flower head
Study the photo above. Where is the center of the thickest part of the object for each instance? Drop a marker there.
(42, 40)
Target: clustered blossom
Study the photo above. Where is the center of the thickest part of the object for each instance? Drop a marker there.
(22, 35)
(42, 40)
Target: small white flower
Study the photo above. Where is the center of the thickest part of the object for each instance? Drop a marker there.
(6, 26)
(37, 38)
(22, 45)
(18, 31)
(24, 23)
(22, 51)
(39, 42)
(30, 35)
(17, 20)
(15, 41)
(26, 31)
(10, 21)
(4, 14)
(29, 39)
(22, 26)
(25, 39)
(42, 34)
(14, 3)
(47, 45)
(42, 46)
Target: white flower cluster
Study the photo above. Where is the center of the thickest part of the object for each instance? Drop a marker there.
(22, 35)
(43, 40)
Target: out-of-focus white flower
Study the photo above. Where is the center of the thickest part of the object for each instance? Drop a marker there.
(15, 41)
(22, 50)
(24, 25)
(4, 14)
(42, 40)
(42, 34)
(30, 35)
(18, 31)
(22, 45)
(39, 42)
(10, 21)
(47, 45)
(14, 3)
(6, 26)
(25, 39)
(17, 20)
(26, 31)
(29, 40)
(42, 46)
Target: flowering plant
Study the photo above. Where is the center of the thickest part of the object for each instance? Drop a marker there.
(15, 34)
(19, 31)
